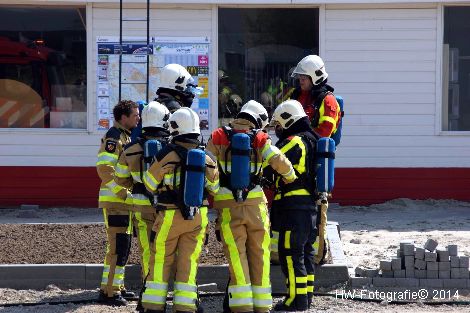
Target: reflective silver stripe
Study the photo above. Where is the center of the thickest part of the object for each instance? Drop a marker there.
(259, 290)
(184, 300)
(240, 301)
(272, 149)
(213, 188)
(156, 286)
(262, 302)
(121, 170)
(168, 179)
(119, 270)
(153, 298)
(108, 158)
(116, 281)
(139, 196)
(149, 181)
(136, 177)
(106, 192)
(185, 287)
(236, 289)
(289, 174)
(275, 235)
(106, 269)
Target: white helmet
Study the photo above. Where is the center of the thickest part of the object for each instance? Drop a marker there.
(257, 111)
(287, 113)
(155, 114)
(313, 66)
(184, 121)
(175, 76)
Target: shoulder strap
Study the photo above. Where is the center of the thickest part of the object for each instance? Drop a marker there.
(317, 105)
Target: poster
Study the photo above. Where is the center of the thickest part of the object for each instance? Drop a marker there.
(190, 52)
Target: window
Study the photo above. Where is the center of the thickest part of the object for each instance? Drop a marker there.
(456, 69)
(42, 67)
(257, 48)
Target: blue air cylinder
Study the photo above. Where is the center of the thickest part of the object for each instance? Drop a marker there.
(240, 174)
(325, 164)
(151, 148)
(337, 135)
(194, 181)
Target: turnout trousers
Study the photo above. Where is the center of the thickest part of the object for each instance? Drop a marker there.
(245, 236)
(296, 254)
(143, 223)
(174, 241)
(119, 235)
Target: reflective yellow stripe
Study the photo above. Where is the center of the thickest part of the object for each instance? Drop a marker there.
(287, 240)
(269, 151)
(144, 242)
(275, 241)
(291, 280)
(301, 280)
(226, 194)
(301, 291)
(266, 242)
(160, 246)
(136, 177)
(197, 250)
(298, 192)
(328, 118)
(168, 179)
(300, 167)
(114, 187)
(150, 182)
(213, 186)
(105, 158)
(232, 247)
(122, 171)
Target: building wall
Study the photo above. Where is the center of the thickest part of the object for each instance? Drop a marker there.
(385, 62)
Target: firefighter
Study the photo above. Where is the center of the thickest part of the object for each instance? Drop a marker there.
(243, 222)
(117, 215)
(130, 171)
(324, 112)
(176, 239)
(294, 205)
(177, 87)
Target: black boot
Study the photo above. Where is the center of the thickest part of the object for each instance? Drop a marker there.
(127, 294)
(115, 300)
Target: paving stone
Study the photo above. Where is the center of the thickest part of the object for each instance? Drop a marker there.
(388, 274)
(454, 283)
(360, 282)
(420, 264)
(399, 274)
(419, 253)
(407, 282)
(360, 272)
(371, 272)
(442, 255)
(453, 250)
(385, 265)
(444, 274)
(384, 282)
(455, 273)
(432, 266)
(430, 256)
(432, 274)
(444, 266)
(430, 245)
(433, 283)
(409, 261)
(464, 273)
(410, 273)
(406, 242)
(464, 261)
(409, 249)
(454, 261)
(420, 273)
(396, 264)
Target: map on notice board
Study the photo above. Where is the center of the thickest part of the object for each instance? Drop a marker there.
(191, 52)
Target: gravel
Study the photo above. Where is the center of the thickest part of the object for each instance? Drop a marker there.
(74, 243)
(211, 304)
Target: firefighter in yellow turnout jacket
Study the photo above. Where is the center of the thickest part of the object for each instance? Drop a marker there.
(244, 224)
(116, 212)
(176, 239)
(294, 209)
(130, 170)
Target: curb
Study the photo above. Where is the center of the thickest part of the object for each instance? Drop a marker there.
(88, 276)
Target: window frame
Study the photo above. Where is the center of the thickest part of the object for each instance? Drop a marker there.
(88, 34)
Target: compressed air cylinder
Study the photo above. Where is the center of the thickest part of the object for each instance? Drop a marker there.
(325, 164)
(151, 148)
(240, 175)
(194, 181)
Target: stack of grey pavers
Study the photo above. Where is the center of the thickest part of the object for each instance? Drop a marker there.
(418, 267)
